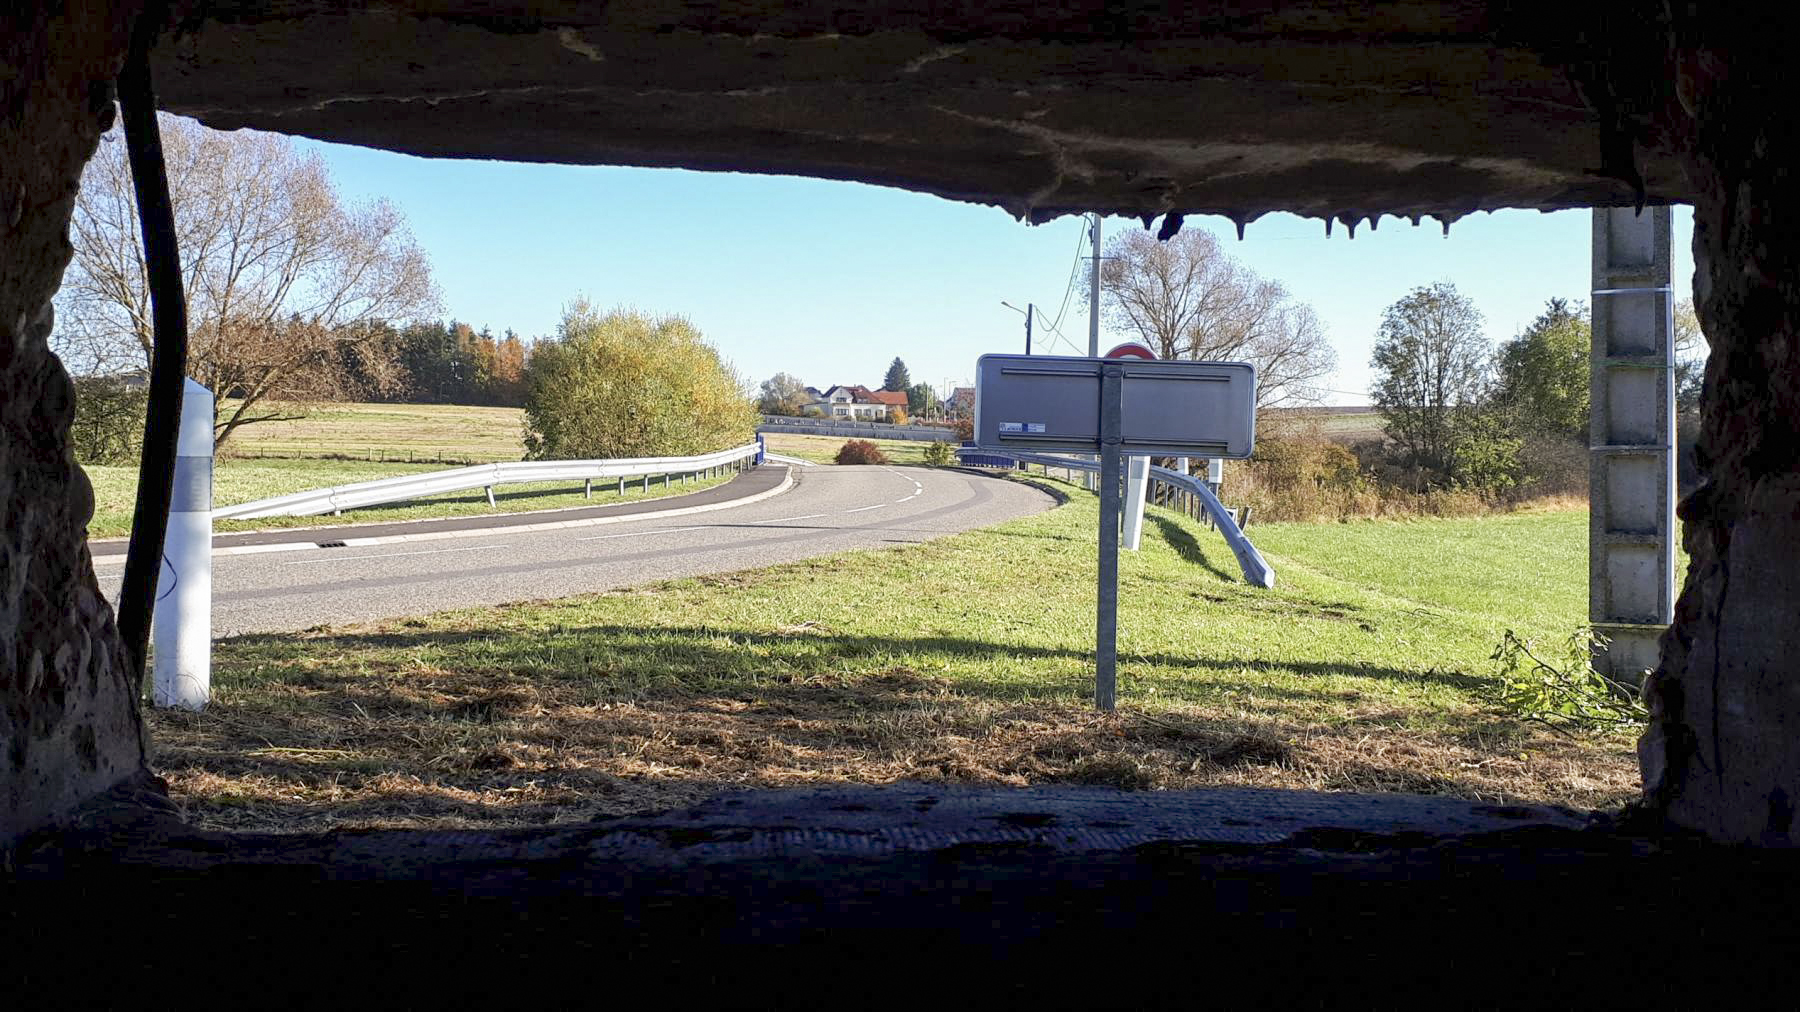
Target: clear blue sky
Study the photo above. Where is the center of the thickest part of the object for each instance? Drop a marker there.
(830, 280)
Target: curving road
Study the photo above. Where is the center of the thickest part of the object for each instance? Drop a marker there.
(829, 509)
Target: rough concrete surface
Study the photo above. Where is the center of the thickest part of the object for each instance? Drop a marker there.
(69, 725)
(1723, 752)
(1045, 109)
(920, 896)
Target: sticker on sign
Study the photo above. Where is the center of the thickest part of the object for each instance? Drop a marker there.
(1021, 427)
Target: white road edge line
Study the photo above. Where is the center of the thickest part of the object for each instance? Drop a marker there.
(389, 555)
(865, 509)
(783, 520)
(909, 498)
(642, 534)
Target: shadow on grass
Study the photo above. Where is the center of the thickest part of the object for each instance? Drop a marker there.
(1188, 547)
(687, 653)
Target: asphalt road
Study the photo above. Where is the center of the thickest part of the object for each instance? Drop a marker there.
(829, 509)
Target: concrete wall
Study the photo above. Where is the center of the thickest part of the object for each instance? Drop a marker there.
(69, 722)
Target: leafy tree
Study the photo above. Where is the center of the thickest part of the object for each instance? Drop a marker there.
(783, 394)
(623, 384)
(282, 278)
(1543, 373)
(1484, 454)
(1690, 356)
(897, 377)
(1431, 371)
(921, 400)
(1186, 298)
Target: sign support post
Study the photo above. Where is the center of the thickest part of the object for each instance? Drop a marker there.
(1127, 406)
(1106, 625)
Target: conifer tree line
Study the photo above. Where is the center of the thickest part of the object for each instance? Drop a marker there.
(447, 363)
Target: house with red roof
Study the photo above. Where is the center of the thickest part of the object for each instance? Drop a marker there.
(858, 401)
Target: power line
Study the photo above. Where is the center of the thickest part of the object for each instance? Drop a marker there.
(1069, 289)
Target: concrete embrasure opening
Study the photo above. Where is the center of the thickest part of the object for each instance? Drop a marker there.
(1510, 107)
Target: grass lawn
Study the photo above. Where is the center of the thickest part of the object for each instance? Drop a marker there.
(823, 449)
(376, 432)
(962, 660)
(239, 479)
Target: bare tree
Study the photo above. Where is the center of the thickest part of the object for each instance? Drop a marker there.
(286, 285)
(1186, 298)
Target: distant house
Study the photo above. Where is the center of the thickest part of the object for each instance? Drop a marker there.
(893, 399)
(856, 401)
(961, 403)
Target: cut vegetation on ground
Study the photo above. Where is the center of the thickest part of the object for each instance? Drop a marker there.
(965, 660)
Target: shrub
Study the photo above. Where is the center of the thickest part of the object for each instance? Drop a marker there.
(938, 454)
(109, 421)
(898, 416)
(860, 451)
(623, 384)
(964, 428)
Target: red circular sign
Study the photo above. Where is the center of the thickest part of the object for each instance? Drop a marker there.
(1131, 349)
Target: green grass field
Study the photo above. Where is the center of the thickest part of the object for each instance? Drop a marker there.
(388, 432)
(962, 660)
(823, 449)
(237, 480)
(337, 444)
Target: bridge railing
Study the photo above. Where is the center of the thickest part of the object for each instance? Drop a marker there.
(461, 479)
(1256, 569)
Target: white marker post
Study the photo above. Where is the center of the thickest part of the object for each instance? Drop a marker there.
(1137, 469)
(1137, 490)
(182, 622)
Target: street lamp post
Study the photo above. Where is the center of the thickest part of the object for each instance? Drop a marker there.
(1030, 307)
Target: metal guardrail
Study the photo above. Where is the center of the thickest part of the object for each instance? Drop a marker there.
(1256, 569)
(855, 429)
(461, 479)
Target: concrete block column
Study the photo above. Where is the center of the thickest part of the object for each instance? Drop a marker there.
(1631, 533)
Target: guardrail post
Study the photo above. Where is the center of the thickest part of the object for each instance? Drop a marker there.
(587, 488)
(182, 622)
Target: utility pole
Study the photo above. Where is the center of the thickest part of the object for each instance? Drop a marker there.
(1094, 294)
(1088, 478)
